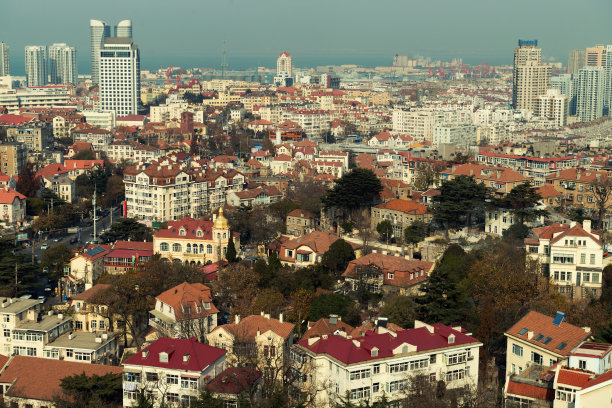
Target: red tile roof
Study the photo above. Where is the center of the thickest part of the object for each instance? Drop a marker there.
(200, 355)
(39, 378)
(400, 268)
(144, 246)
(191, 227)
(537, 323)
(83, 164)
(530, 391)
(547, 191)
(607, 376)
(91, 292)
(249, 326)
(8, 195)
(573, 377)
(323, 326)
(301, 214)
(186, 298)
(356, 350)
(405, 206)
(234, 380)
(51, 170)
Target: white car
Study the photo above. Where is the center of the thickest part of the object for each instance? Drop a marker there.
(44, 247)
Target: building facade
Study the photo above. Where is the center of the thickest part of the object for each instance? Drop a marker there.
(12, 158)
(36, 65)
(62, 64)
(530, 77)
(5, 62)
(553, 106)
(591, 89)
(120, 76)
(99, 31)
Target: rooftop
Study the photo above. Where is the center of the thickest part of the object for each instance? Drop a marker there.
(16, 305)
(82, 340)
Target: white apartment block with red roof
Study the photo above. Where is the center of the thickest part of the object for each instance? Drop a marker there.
(571, 255)
(373, 365)
(173, 372)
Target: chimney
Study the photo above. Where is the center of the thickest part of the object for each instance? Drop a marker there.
(237, 319)
(530, 335)
(267, 316)
(586, 225)
(186, 358)
(145, 353)
(50, 313)
(313, 340)
(262, 313)
(280, 317)
(98, 339)
(333, 319)
(60, 316)
(572, 224)
(70, 336)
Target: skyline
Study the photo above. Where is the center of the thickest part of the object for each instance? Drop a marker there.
(330, 34)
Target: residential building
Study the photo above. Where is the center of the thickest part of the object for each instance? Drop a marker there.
(576, 60)
(85, 268)
(184, 311)
(99, 138)
(571, 256)
(498, 220)
(120, 76)
(530, 77)
(62, 64)
(12, 158)
(309, 249)
(327, 326)
(596, 56)
(263, 195)
(553, 106)
(36, 382)
(236, 384)
(368, 367)
(257, 341)
(194, 241)
(36, 65)
(100, 31)
(577, 185)
(171, 371)
(387, 274)
(14, 99)
(458, 134)
(401, 214)
(34, 136)
(100, 119)
(608, 90)
(542, 340)
(567, 84)
(12, 206)
(417, 123)
(5, 61)
(284, 70)
(301, 222)
(591, 89)
(63, 187)
(126, 256)
(499, 179)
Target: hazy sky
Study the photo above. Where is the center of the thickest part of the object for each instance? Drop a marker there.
(314, 31)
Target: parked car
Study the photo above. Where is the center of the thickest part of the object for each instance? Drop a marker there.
(44, 247)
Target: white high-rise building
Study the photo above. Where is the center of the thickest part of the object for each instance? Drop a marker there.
(553, 106)
(608, 95)
(120, 76)
(62, 64)
(36, 65)
(5, 64)
(591, 90)
(567, 84)
(124, 29)
(531, 78)
(284, 70)
(99, 32)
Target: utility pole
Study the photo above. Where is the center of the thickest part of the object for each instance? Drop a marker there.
(94, 215)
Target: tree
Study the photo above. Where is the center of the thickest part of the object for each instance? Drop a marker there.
(458, 200)
(128, 229)
(521, 201)
(85, 155)
(338, 256)
(428, 175)
(95, 391)
(237, 288)
(602, 193)
(300, 301)
(399, 310)
(269, 301)
(385, 230)
(55, 258)
(333, 303)
(307, 194)
(28, 183)
(230, 255)
(114, 191)
(415, 232)
(516, 232)
(357, 188)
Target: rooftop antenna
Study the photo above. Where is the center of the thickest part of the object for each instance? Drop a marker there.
(223, 62)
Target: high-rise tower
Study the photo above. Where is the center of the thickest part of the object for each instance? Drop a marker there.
(530, 77)
(62, 64)
(120, 76)
(5, 63)
(36, 65)
(575, 61)
(591, 89)
(596, 56)
(99, 31)
(124, 29)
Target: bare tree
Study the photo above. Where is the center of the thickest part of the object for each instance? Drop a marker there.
(602, 194)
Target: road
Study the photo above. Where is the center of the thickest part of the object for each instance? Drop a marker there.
(86, 234)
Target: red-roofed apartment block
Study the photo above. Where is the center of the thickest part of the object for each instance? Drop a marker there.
(373, 365)
(180, 367)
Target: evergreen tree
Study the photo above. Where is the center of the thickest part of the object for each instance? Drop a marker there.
(338, 256)
(230, 255)
(459, 200)
(521, 202)
(415, 232)
(442, 301)
(385, 230)
(357, 188)
(28, 184)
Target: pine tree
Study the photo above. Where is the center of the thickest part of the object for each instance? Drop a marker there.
(230, 255)
(442, 301)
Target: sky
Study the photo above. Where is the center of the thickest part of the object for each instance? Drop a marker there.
(316, 32)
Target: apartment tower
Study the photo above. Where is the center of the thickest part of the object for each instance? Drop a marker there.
(99, 32)
(119, 76)
(530, 77)
(62, 64)
(576, 60)
(591, 90)
(5, 64)
(596, 56)
(36, 65)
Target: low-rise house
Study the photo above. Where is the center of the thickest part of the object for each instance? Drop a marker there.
(171, 371)
(12, 206)
(401, 213)
(264, 195)
(35, 382)
(79, 167)
(281, 164)
(309, 249)
(235, 384)
(571, 255)
(301, 222)
(85, 268)
(540, 339)
(184, 311)
(500, 179)
(498, 220)
(194, 241)
(328, 326)
(257, 341)
(368, 367)
(92, 347)
(577, 186)
(387, 274)
(126, 256)
(62, 186)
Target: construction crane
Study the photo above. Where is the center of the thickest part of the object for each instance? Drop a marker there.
(178, 77)
(168, 73)
(431, 71)
(441, 73)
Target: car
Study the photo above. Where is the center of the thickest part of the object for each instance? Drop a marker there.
(44, 247)
(56, 240)
(42, 299)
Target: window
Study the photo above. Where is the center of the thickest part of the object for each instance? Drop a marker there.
(209, 249)
(592, 260)
(537, 358)
(582, 364)
(191, 383)
(389, 276)
(582, 258)
(131, 377)
(172, 379)
(83, 356)
(78, 325)
(94, 324)
(397, 385)
(432, 359)
(517, 350)
(176, 247)
(376, 369)
(359, 393)
(456, 358)
(172, 397)
(375, 388)
(359, 374)
(455, 375)
(152, 377)
(7, 333)
(164, 247)
(69, 353)
(563, 258)
(595, 277)
(586, 277)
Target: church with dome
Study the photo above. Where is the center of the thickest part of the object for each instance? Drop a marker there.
(195, 242)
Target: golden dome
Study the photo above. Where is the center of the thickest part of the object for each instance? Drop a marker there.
(221, 221)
